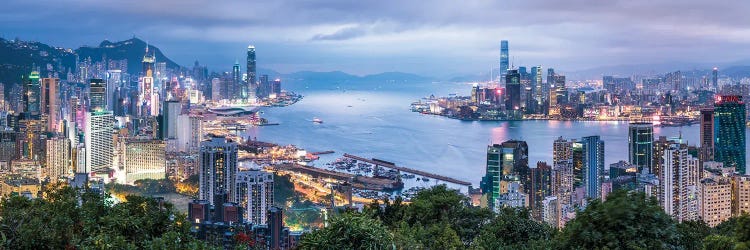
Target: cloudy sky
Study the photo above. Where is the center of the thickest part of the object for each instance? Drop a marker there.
(429, 37)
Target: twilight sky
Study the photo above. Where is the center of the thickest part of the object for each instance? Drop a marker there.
(429, 37)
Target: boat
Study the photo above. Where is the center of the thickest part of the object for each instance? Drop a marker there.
(317, 120)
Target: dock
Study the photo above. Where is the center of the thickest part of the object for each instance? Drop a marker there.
(323, 152)
(381, 163)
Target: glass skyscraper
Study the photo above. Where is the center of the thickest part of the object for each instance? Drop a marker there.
(251, 81)
(641, 145)
(507, 162)
(504, 58)
(729, 132)
(513, 92)
(593, 165)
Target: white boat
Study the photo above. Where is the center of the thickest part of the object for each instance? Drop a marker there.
(317, 120)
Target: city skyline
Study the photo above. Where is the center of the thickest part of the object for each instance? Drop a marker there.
(373, 37)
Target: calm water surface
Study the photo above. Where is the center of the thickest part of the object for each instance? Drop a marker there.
(375, 122)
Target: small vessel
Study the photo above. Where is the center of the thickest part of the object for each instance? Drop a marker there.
(317, 120)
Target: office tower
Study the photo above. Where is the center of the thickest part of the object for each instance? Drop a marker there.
(218, 169)
(189, 133)
(715, 200)
(504, 58)
(255, 194)
(160, 70)
(58, 162)
(148, 64)
(715, 78)
(50, 99)
(562, 171)
(32, 130)
(97, 95)
(507, 163)
(740, 194)
(172, 109)
(536, 83)
(707, 134)
(513, 90)
(276, 87)
(98, 139)
(641, 145)
(238, 90)
(729, 132)
(593, 165)
(679, 183)
(31, 93)
(540, 187)
(216, 89)
(144, 159)
(264, 87)
(251, 81)
(114, 80)
(8, 145)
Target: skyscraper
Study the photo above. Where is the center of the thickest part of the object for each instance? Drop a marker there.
(31, 93)
(59, 163)
(729, 132)
(50, 102)
(506, 163)
(255, 194)
(98, 139)
(251, 80)
(540, 187)
(218, 170)
(593, 165)
(679, 183)
(707, 135)
(504, 58)
(172, 109)
(238, 90)
(641, 145)
(97, 95)
(513, 90)
(715, 78)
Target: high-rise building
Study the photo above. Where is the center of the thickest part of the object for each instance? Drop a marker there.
(679, 183)
(551, 211)
(276, 87)
(506, 163)
(593, 165)
(562, 171)
(31, 93)
(8, 145)
(540, 187)
(536, 82)
(97, 95)
(218, 170)
(255, 194)
(238, 90)
(251, 73)
(172, 109)
(114, 82)
(144, 159)
(729, 132)
(50, 101)
(715, 200)
(59, 163)
(504, 58)
(513, 91)
(740, 195)
(98, 140)
(641, 145)
(715, 78)
(707, 134)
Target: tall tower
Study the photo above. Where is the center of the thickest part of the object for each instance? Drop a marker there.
(729, 132)
(255, 194)
(715, 78)
(31, 93)
(507, 165)
(641, 145)
(504, 58)
(98, 138)
(238, 90)
(679, 182)
(251, 72)
(97, 95)
(51, 103)
(707, 135)
(218, 170)
(593, 165)
(513, 90)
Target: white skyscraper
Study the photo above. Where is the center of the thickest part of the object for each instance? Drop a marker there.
(679, 183)
(98, 140)
(255, 194)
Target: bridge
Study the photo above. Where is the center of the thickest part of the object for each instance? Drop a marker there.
(391, 165)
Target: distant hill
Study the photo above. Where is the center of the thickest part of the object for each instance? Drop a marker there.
(342, 77)
(132, 49)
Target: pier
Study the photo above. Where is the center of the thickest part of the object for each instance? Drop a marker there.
(381, 163)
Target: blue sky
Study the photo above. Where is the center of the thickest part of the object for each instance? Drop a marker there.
(428, 37)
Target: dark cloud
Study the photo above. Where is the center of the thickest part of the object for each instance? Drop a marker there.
(433, 36)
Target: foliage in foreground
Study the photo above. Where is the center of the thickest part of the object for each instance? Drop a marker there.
(67, 219)
(440, 218)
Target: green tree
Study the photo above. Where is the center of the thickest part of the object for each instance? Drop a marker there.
(628, 220)
(692, 233)
(349, 231)
(512, 229)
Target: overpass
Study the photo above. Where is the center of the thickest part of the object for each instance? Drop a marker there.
(385, 164)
